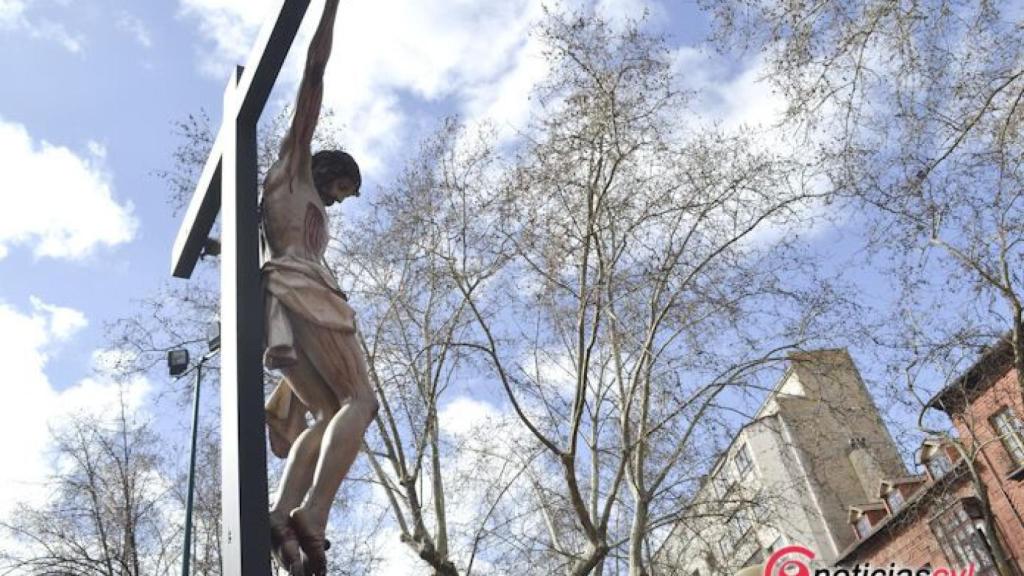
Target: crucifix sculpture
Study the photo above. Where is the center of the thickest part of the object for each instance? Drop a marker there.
(304, 324)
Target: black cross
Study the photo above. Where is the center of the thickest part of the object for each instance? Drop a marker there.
(228, 184)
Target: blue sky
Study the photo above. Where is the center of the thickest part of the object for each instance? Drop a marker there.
(93, 89)
(86, 113)
(109, 100)
(99, 84)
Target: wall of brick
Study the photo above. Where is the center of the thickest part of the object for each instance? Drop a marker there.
(1006, 495)
(910, 541)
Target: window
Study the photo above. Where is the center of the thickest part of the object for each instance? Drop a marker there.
(1011, 434)
(863, 525)
(742, 522)
(939, 464)
(895, 500)
(722, 481)
(742, 461)
(962, 541)
(735, 528)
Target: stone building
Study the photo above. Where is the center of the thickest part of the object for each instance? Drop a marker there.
(936, 518)
(815, 447)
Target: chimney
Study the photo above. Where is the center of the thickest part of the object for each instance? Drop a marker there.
(867, 467)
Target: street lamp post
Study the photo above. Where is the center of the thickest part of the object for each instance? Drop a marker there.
(177, 360)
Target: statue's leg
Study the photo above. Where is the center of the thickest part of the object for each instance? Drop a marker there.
(339, 359)
(311, 389)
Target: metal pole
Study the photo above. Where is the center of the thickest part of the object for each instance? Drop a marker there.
(187, 549)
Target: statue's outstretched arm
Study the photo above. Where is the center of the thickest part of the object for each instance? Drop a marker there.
(296, 144)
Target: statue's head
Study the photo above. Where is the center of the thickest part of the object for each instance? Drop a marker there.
(335, 175)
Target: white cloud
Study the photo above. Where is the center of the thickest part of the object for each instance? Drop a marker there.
(56, 201)
(464, 414)
(136, 28)
(396, 556)
(231, 25)
(735, 96)
(505, 102)
(750, 101)
(392, 56)
(13, 17)
(622, 12)
(57, 32)
(62, 322)
(98, 395)
(96, 149)
(34, 404)
(11, 12)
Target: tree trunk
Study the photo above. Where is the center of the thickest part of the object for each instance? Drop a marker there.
(1018, 344)
(641, 517)
(586, 565)
(1002, 563)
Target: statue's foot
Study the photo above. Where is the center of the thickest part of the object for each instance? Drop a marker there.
(314, 545)
(285, 547)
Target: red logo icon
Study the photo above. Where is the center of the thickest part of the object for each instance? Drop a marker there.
(789, 561)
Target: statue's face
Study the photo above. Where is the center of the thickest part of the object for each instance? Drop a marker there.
(340, 189)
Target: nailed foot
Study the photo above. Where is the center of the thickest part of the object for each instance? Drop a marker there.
(314, 544)
(285, 547)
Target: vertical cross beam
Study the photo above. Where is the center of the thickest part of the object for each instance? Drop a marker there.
(246, 539)
(228, 184)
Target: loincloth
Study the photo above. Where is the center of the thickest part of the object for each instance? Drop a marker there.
(297, 290)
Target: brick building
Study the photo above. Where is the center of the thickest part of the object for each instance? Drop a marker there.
(937, 518)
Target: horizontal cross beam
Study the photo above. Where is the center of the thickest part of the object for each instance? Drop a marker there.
(200, 216)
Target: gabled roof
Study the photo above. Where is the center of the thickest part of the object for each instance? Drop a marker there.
(900, 481)
(866, 507)
(932, 446)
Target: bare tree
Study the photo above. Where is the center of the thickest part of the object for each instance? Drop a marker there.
(915, 113)
(414, 323)
(914, 110)
(950, 363)
(206, 513)
(624, 316)
(108, 510)
(613, 277)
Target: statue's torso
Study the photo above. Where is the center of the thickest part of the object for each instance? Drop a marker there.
(294, 217)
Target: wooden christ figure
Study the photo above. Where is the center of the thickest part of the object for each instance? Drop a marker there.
(310, 329)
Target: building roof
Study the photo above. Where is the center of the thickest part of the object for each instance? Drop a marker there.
(792, 359)
(955, 475)
(894, 482)
(904, 480)
(992, 364)
(876, 505)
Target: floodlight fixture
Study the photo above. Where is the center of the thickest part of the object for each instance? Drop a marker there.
(177, 361)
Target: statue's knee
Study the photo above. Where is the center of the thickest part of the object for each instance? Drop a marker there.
(322, 415)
